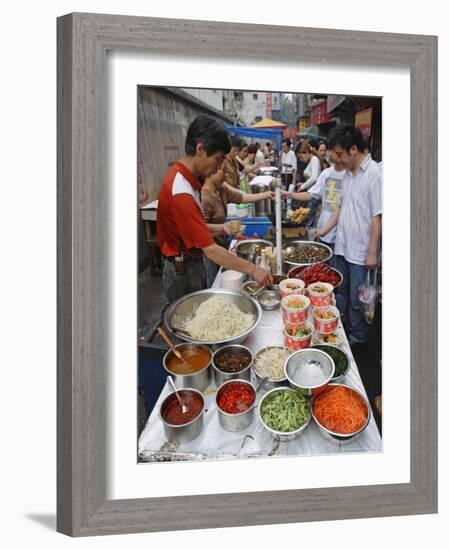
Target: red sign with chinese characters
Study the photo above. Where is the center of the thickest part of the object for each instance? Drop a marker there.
(319, 114)
(363, 121)
(269, 108)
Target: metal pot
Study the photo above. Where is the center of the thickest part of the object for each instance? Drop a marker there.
(282, 436)
(220, 376)
(342, 439)
(309, 355)
(182, 433)
(288, 265)
(182, 309)
(239, 421)
(270, 383)
(247, 249)
(198, 380)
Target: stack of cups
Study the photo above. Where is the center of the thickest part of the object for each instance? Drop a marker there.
(297, 329)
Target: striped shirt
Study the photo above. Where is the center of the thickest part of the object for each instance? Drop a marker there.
(361, 200)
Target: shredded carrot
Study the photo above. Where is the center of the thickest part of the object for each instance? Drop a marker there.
(340, 410)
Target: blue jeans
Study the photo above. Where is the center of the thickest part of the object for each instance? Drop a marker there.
(348, 299)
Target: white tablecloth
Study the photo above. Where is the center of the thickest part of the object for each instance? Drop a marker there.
(216, 443)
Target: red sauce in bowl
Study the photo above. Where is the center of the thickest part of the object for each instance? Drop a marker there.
(172, 413)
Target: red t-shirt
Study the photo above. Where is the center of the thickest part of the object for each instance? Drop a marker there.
(180, 225)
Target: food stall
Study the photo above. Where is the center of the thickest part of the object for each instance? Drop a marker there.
(219, 436)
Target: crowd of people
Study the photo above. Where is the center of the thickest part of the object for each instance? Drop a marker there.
(339, 180)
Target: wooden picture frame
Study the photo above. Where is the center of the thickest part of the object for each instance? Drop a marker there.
(83, 40)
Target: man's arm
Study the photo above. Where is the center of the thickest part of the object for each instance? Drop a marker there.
(333, 220)
(227, 259)
(216, 229)
(302, 196)
(376, 227)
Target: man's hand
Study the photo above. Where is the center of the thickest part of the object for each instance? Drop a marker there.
(318, 233)
(286, 195)
(269, 195)
(371, 261)
(227, 229)
(262, 277)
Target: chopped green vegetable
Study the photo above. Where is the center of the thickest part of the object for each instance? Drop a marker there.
(285, 411)
(339, 358)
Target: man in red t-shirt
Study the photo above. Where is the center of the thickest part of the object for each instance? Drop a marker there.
(182, 232)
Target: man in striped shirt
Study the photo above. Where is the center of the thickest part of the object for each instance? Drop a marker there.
(359, 221)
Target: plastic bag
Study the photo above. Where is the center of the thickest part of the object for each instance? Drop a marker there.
(368, 297)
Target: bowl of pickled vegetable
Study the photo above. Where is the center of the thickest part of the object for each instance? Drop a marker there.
(340, 358)
(285, 413)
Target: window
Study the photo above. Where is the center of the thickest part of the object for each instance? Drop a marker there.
(255, 97)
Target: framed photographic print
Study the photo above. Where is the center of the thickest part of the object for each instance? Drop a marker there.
(129, 92)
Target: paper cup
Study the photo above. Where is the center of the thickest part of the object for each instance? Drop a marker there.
(325, 326)
(295, 309)
(297, 342)
(291, 286)
(320, 294)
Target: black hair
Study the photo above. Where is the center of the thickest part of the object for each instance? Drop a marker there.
(236, 142)
(211, 133)
(346, 136)
(252, 148)
(287, 142)
(322, 142)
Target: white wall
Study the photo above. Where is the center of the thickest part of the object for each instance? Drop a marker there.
(28, 146)
(214, 98)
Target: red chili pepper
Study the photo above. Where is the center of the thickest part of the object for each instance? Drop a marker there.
(236, 398)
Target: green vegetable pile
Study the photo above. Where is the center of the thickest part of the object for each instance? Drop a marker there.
(340, 359)
(285, 411)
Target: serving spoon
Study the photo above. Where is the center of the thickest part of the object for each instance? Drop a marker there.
(172, 346)
(181, 402)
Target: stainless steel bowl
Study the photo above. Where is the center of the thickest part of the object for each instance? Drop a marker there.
(282, 436)
(221, 376)
(323, 347)
(182, 433)
(308, 355)
(239, 421)
(178, 312)
(295, 273)
(342, 439)
(197, 380)
(294, 245)
(269, 299)
(247, 249)
(276, 280)
(270, 383)
(247, 290)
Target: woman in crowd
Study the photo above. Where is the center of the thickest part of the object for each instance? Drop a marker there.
(249, 164)
(308, 154)
(323, 155)
(231, 166)
(216, 194)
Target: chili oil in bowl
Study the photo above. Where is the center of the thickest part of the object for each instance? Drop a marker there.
(182, 427)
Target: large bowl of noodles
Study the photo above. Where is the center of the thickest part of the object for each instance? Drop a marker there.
(213, 316)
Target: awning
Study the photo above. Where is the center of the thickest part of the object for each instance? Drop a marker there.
(258, 133)
(269, 123)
